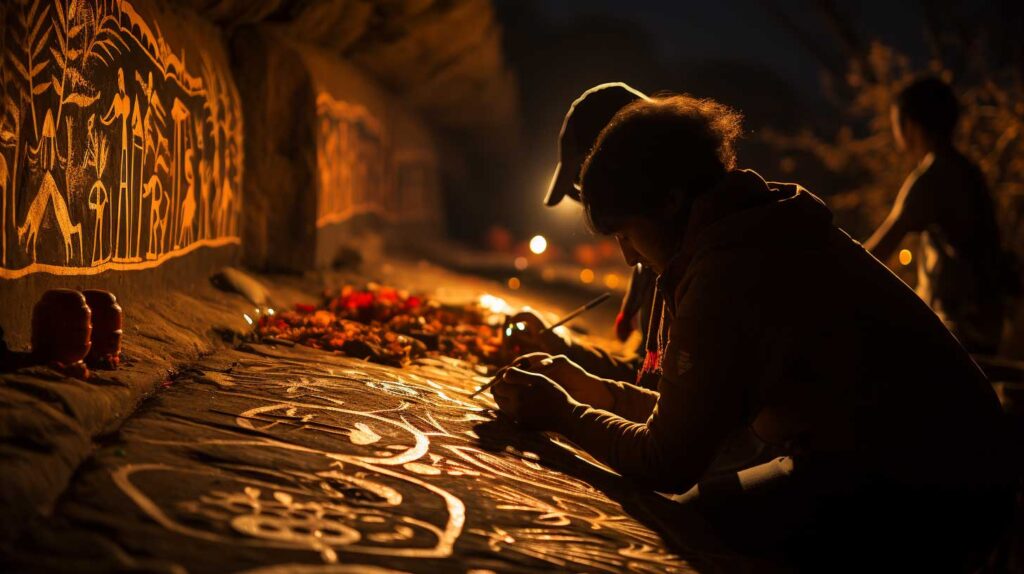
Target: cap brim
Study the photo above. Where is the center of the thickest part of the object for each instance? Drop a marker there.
(562, 184)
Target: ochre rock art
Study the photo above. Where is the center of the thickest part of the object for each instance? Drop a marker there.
(304, 451)
(86, 85)
(351, 158)
(360, 171)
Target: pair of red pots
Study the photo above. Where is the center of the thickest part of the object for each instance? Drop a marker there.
(70, 326)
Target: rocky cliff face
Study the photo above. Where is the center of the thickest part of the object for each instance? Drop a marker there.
(444, 57)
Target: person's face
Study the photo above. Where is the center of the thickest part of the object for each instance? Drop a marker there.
(644, 241)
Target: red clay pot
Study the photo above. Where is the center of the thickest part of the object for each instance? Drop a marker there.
(61, 327)
(106, 328)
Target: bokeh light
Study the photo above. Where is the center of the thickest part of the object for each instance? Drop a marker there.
(906, 257)
(538, 244)
(587, 275)
(514, 283)
(521, 263)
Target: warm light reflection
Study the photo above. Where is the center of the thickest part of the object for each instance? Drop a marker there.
(494, 304)
(521, 263)
(513, 283)
(248, 319)
(906, 257)
(520, 326)
(611, 281)
(538, 244)
(548, 274)
(587, 275)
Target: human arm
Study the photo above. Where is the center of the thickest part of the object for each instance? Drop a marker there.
(109, 116)
(910, 212)
(702, 399)
(593, 359)
(626, 400)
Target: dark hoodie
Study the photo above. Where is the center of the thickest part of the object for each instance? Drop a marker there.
(781, 324)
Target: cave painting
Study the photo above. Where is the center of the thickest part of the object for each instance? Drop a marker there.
(351, 158)
(356, 459)
(360, 172)
(106, 132)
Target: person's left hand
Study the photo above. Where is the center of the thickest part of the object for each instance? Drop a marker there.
(533, 400)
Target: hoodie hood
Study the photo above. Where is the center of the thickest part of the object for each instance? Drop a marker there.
(744, 210)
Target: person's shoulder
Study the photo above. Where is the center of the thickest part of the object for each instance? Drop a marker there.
(923, 186)
(925, 173)
(722, 277)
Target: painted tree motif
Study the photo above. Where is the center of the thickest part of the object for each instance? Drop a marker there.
(76, 76)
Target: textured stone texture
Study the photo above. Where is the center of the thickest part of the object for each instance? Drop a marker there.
(279, 106)
(332, 154)
(444, 57)
(120, 146)
(49, 422)
(406, 447)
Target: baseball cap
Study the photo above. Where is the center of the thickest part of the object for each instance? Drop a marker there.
(587, 116)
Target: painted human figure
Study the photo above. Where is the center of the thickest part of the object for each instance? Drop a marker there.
(188, 206)
(98, 203)
(159, 210)
(152, 141)
(138, 164)
(120, 108)
(205, 178)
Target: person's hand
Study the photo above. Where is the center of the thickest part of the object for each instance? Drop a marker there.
(532, 400)
(521, 334)
(581, 385)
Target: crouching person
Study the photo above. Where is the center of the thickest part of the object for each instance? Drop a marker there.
(783, 326)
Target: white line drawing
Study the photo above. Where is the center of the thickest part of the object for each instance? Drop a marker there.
(365, 475)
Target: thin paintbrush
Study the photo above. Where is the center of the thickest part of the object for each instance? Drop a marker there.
(572, 315)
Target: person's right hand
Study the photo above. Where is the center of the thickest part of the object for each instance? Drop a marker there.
(529, 339)
(581, 385)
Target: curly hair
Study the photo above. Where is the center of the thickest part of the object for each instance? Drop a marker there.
(652, 150)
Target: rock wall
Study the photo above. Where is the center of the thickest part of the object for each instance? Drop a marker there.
(120, 149)
(131, 131)
(342, 159)
(121, 138)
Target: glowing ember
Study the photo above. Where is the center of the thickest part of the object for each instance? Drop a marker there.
(906, 257)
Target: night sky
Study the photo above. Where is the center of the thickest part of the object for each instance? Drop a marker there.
(745, 30)
(736, 51)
